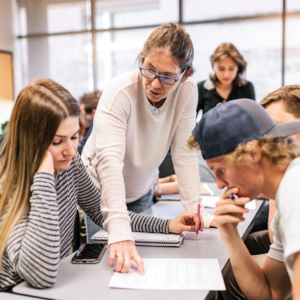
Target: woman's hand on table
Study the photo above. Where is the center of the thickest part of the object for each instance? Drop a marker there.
(229, 212)
(125, 251)
(186, 221)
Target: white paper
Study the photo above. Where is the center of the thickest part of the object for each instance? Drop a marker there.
(172, 274)
(208, 189)
(251, 205)
(210, 202)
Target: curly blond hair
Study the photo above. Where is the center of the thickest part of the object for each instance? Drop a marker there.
(279, 150)
(192, 143)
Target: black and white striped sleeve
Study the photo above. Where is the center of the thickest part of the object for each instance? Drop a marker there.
(88, 195)
(89, 201)
(143, 223)
(33, 246)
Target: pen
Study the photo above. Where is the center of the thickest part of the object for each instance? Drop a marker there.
(198, 212)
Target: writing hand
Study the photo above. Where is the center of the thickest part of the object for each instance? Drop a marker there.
(186, 221)
(125, 251)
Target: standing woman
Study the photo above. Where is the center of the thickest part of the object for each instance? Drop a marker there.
(141, 114)
(227, 82)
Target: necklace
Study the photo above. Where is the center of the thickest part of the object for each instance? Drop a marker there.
(154, 109)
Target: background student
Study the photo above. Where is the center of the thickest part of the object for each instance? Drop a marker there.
(140, 115)
(88, 104)
(42, 181)
(226, 83)
(257, 156)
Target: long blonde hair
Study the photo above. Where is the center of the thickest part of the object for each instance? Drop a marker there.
(37, 113)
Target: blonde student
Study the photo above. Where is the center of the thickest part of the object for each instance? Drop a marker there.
(42, 179)
(250, 154)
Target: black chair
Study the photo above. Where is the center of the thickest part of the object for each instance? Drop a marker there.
(166, 168)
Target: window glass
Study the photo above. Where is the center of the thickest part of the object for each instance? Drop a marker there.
(51, 16)
(293, 6)
(22, 21)
(213, 9)
(23, 50)
(66, 59)
(115, 55)
(292, 51)
(258, 41)
(120, 13)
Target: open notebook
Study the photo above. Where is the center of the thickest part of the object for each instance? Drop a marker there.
(145, 239)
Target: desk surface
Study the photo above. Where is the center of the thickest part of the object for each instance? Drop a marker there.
(10, 296)
(91, 281)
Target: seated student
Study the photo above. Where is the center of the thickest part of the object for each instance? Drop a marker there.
(88, 104)
(250, 154)
(283, 105)
(42, 180)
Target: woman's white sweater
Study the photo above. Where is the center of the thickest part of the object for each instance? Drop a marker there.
(128, 143)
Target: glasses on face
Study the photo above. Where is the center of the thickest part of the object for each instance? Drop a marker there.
(162, 78)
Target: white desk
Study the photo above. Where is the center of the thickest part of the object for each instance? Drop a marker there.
(9, 296)
(91, 281)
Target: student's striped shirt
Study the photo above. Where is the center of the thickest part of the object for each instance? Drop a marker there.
(44, 235)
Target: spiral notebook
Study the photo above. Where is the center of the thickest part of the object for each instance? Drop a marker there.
(145, 239)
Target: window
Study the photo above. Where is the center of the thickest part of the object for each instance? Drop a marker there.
(59, 39)
(52, 16)
(117, 52)
(292, 50)
(66, 59)
(258, 41)
(118, 13)
(201, 10)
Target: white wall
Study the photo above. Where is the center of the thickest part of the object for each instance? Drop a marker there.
(8, 42)
(6, 25)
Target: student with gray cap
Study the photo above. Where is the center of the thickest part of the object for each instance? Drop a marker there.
(250, 154)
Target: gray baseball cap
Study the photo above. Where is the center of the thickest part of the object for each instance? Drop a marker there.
(229, 124)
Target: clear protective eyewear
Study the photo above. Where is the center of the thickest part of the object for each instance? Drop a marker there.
(162, 78)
